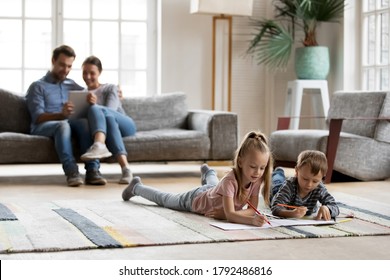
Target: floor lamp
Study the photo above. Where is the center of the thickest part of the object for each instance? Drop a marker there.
(222, 11)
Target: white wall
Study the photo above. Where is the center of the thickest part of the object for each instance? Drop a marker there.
(186, 53)
(258, 96)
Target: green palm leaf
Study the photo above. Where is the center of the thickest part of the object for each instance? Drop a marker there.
(274, 39)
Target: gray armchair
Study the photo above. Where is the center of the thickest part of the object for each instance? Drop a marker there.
(357, 141)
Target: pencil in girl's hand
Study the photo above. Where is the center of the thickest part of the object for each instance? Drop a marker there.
(258, 212)
(286, 205)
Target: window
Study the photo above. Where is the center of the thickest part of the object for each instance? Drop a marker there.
(122, 33)
(375, 38)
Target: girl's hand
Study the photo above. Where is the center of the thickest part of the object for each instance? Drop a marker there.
(323, 213)
(91, 98)
(216, 214)
(258, 220)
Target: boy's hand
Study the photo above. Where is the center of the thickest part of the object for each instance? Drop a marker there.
(299, 212)
(323, 213)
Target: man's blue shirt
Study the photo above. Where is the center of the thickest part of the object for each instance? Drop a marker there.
(48, 96)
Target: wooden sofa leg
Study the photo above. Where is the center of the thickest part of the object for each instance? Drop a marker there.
(283, 123)
(333, 142)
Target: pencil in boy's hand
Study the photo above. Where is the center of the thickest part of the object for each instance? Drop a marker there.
(286, 205)
(258, 212)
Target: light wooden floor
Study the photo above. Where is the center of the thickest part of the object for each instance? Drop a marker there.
(39, 183)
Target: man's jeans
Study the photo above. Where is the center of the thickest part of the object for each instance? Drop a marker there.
(113, 124)
(60, 132)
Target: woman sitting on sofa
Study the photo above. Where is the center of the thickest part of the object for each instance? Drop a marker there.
(107, 111)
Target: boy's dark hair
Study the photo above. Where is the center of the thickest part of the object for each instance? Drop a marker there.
(316, 160)
(63, 49)
(94, 61)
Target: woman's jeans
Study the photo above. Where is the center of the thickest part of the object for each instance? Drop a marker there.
(113, 124)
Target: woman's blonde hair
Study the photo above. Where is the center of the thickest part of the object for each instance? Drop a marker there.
(254, 140)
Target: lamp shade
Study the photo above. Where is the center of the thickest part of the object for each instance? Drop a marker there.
(226, 7)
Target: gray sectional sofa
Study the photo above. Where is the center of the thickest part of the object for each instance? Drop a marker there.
(166, 131)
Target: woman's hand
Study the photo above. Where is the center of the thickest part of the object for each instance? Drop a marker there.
(91, 98)
(323, 213)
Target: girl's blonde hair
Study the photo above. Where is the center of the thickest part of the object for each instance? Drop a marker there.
(254, 140)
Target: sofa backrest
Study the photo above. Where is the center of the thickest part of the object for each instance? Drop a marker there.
(360, 104)
(167, 110)
(14, 115)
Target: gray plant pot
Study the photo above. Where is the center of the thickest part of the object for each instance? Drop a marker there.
(312, 63)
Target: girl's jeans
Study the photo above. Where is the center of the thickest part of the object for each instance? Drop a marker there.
(180, 201)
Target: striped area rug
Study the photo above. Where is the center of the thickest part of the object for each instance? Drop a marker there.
(90, 224)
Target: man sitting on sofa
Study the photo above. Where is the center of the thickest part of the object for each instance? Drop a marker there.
(47, 102)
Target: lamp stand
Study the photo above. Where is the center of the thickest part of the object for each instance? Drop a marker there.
(223, 88)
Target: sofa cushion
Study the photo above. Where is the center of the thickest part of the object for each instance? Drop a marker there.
(26, 148)
(382, 132)
(167, 144)
(287, 144)
(351, 104)
(156, 112)
(14, 114)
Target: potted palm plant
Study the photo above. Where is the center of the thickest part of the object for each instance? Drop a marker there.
(274, 39)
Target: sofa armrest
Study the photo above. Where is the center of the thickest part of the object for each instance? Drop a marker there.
(222, 129)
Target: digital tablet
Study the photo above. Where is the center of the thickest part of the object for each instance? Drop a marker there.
(79, 99)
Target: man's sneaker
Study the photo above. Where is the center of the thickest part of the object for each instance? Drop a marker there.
(93, 177)
(74, 179)
(127, 176)
(129, 191)
(96, 151)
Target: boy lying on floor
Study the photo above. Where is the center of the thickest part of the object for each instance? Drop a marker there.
(298, 196)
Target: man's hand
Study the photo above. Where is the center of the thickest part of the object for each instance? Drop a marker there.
(68, 109)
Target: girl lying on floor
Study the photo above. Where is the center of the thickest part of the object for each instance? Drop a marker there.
(226, 199)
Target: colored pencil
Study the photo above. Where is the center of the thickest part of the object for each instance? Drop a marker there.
(288, 206)
(345, 220)
(258, 212)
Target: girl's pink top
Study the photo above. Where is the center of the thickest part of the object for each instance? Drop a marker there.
(212, 199)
